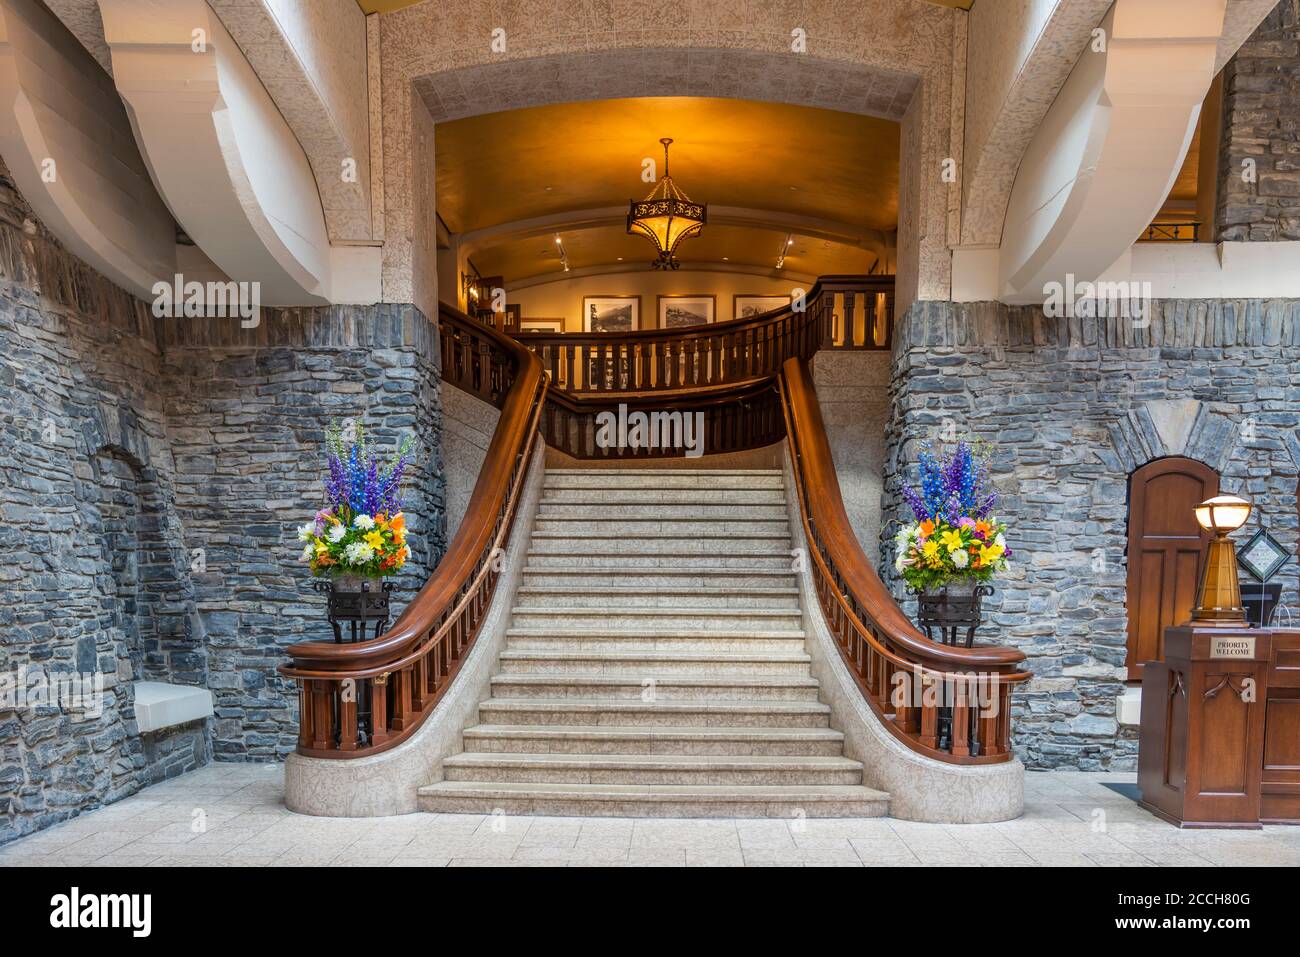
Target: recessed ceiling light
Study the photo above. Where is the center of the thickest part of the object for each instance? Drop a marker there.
(726, 259)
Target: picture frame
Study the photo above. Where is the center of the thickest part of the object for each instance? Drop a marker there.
(747, 306)
(541, 325)
(611, 313)
(678, 312)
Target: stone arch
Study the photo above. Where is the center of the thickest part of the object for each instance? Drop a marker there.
(149, 622)
(439, 63)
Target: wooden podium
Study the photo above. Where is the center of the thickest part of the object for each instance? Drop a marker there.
(1221, 727)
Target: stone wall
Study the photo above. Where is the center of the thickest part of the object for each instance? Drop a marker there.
(1072, 407)
(152, 477)
(1261, 98)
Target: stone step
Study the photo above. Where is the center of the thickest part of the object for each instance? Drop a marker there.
(592, 739)
(624, 618)
(656, 479)
(719, 526)
(596, 640)
(645, 664)
(545, 555)
(601, 576)
(559, 543)
(572, 595)
(666, 496)
(630, 800)
(780, 770)
(751, 688)
(643, 509)
(635, 713)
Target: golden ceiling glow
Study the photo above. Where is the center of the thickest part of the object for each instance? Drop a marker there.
(505, 167)
(737, 246)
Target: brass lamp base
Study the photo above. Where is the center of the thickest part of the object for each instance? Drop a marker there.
(1219, 600)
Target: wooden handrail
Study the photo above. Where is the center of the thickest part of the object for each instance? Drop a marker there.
(950, 703)
(738, 350)
(368, 696)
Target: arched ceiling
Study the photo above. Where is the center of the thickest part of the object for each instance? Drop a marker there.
(766, 170)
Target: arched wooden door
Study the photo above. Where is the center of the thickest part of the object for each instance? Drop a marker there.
(1165, 550)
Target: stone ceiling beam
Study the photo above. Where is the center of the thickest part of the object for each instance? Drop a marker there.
(220, 153)
(68, 144)
(1107, 152)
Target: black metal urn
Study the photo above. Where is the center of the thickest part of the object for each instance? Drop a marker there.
(951, 613)
(357, 606)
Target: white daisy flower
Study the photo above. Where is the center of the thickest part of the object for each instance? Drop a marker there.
(305, 531)
(337, 532)
(959, 558)
(364, 521)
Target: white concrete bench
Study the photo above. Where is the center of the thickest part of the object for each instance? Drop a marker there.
(162, 705)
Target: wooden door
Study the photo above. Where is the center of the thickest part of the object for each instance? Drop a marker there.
(1165, 550)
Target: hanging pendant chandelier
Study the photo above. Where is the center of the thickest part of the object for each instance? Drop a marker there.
(666, 217)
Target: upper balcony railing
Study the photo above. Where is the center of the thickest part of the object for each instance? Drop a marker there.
(839, 312)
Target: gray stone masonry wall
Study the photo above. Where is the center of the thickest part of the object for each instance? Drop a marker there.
(153, 474)
(1261, 123)
(246, 414)
(1072, 408)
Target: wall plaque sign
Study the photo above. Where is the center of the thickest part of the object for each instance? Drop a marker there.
(1232, 646)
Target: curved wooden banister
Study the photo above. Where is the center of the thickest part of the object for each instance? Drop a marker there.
(950, 703)
(750, 348)
(368, 696)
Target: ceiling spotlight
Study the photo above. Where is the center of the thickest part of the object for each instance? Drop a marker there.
(564, 257)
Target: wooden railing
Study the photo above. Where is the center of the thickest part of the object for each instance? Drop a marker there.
(950, 703)
(839, 312)
(732, 418)
(366, 697)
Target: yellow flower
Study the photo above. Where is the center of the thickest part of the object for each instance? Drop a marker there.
(951, 540)
(930, 548)
(990, 554)
(375, 540)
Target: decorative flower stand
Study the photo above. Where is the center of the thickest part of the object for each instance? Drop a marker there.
(360, 610)
(950, 610)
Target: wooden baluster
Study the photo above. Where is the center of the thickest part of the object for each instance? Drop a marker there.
(401, 680)
(988, 721)
(850, 326)
(348, 714)
(379, 710)
(306, 722)
(961, 718)
(322, 715)
(1004, 718)
(419, 683)
(929, 736)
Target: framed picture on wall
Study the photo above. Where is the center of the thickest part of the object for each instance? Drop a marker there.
(746, 307)
(611, 313)
(678, 311)
(541, 325)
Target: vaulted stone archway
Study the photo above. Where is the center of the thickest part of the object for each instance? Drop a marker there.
(440, 64)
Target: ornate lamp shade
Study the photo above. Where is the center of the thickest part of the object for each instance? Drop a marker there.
(666, 217)
(1218, 600)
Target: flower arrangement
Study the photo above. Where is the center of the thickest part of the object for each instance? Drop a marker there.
(954, 535)
(362, 530)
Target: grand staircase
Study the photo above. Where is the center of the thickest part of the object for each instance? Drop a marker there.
(655, 665)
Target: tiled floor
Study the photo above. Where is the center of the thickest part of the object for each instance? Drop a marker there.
(229, 814)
